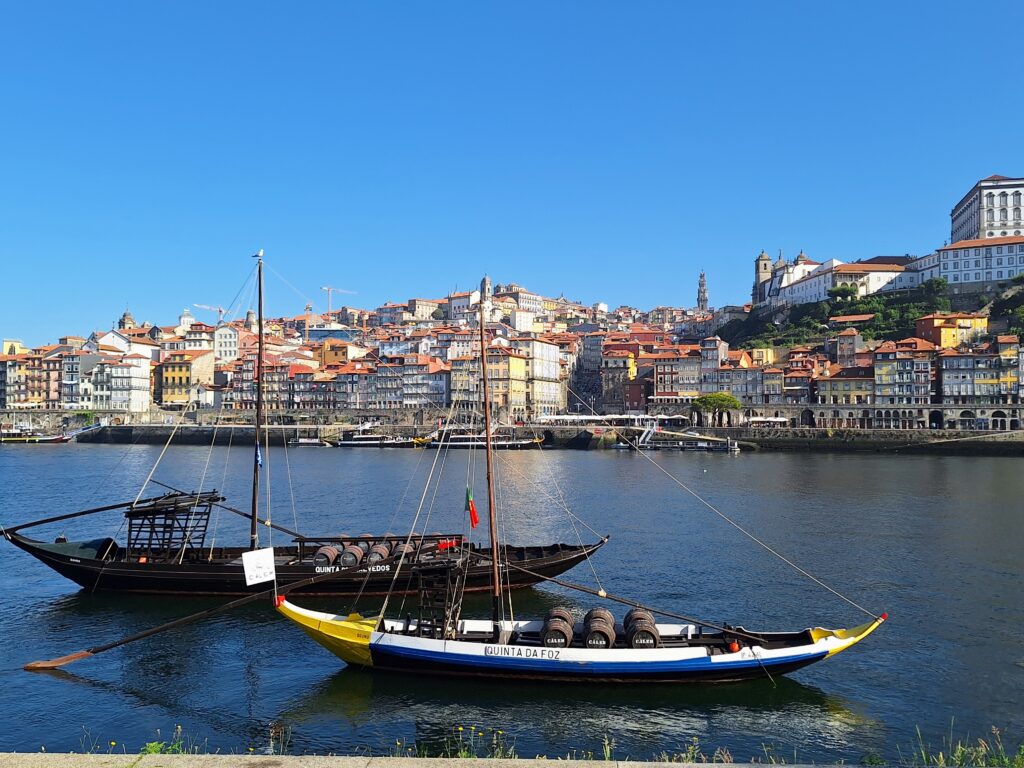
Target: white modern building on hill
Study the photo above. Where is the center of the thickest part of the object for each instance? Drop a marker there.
(992, 208)
(981, 264)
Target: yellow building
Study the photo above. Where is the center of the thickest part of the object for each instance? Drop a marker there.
(338, 352)
(507, 374)
(951, 329)
(36, 380)
(13, 347)
(848, 386)
(179, 373)
(506, 371)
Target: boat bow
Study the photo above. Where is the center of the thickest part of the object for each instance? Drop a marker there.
(840, 639)
(348, 638)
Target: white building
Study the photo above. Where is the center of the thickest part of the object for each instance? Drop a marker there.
(926, 267)
(992, 208)
(522, 320)
(129, 384)
(225, 343)
(462, 305)
(771, 279)
(129, 345)
(523, 298)
(805, 281)
(544, 393)
(982, 263)
(200, 337)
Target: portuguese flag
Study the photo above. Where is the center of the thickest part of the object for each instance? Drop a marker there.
(474, 520)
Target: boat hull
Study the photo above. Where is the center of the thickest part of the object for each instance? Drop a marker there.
(83, 563)
(382, 443)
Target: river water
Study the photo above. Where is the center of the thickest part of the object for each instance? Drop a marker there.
(935, 541)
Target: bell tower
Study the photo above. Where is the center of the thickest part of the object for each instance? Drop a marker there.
(702, 293)
(762, 275)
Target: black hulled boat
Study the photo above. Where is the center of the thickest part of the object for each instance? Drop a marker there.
(166, 552)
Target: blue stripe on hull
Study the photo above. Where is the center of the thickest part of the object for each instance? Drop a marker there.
(397, 657)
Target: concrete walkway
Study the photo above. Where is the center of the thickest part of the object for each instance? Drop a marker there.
(48, 760)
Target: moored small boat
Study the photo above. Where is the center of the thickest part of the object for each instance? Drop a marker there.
(677, 653)
(460, 438)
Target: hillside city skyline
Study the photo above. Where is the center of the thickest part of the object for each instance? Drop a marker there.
(285, 300)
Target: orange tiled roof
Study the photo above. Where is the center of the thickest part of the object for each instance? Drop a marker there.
(981, 242)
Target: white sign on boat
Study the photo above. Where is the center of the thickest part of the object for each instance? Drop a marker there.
(259, 566)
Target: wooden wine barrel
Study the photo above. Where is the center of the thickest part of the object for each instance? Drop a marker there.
(378, 552)
(351, 555)
(560, 612)
(557, 633)
(602, 613)
(325, 556)
(634, 614)
(599, 633)
(399, 549)
(364, 542)
(643, 634)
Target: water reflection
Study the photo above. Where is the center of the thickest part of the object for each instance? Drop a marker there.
(385, 707)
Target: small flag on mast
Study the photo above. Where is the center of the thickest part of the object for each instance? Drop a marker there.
(259, 456)
(474, 520)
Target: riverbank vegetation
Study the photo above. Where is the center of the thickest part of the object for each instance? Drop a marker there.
(894, 317)
(474, 742)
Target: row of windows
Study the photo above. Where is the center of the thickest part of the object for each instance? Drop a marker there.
(1000, 274)
(977, 265)
(977, 251)
(990, 215)
(990, 198)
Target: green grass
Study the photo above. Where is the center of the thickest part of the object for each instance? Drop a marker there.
(465, 742)
(475, 742)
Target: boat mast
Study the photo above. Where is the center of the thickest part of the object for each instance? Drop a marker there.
(492, 519)
(258, 381)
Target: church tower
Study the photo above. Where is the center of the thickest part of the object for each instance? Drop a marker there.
(762, 275)
(702, 294)
(127, 322)
(486, 292)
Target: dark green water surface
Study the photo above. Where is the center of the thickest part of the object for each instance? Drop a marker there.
(935, 541)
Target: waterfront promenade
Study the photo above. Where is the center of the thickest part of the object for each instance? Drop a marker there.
(945, 442)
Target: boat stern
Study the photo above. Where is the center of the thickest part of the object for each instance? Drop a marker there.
(348, 638)
(837, 640)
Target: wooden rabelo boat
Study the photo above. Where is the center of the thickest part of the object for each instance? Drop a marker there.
(166, 550)
(560, 647)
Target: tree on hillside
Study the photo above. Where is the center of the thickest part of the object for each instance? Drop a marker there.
(843, 292)
(437, 314)
(934, 289)
(717, 404)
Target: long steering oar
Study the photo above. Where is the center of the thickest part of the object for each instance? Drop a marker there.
(60, 662)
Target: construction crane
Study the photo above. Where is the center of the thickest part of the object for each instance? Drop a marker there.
(330, 290)
(219, 310)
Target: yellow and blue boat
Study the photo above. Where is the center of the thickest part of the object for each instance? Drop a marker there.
(683, 653)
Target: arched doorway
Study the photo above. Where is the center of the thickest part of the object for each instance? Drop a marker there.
(967, 420)
(998, 421)
(807, 418)
(934, 419)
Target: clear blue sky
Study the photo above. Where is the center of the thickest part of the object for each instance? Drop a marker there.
(607, 150)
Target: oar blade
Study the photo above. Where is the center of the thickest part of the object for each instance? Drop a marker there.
(54, 663)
